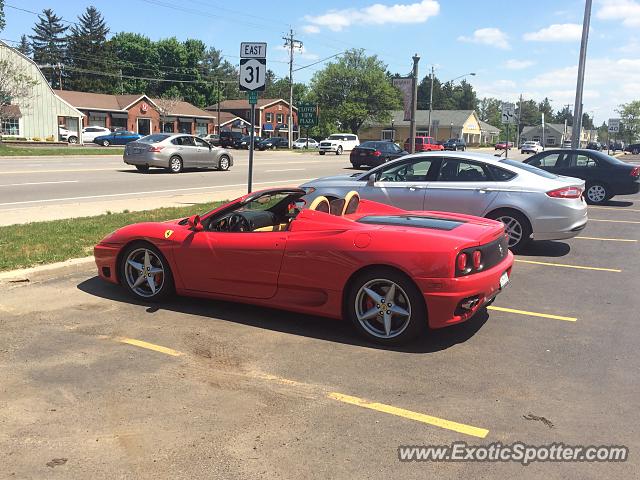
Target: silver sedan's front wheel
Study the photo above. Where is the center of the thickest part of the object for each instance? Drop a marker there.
(145, 273)
(175, 164)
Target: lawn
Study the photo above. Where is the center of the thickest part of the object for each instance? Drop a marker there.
(16, 151)
(47, 242)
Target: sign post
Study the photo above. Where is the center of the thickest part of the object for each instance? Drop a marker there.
(508, 118)
(253, 71)
(307, 116)
(613, 127)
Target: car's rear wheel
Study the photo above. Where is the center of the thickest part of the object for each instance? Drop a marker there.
(142, 168)
(386, 307)
(223, 163)
(516, 226)
(72, 139)
(635, 151)
(596, 193)
(339, 150)
(145, 273)
(321, 153)
(106, 143)
(175, 164)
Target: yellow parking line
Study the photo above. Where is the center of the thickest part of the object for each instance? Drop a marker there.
(418, 417)
(612, 221)
(532, 314)
(619, 209)
(149, 346)
(607, 239)
(569, 266)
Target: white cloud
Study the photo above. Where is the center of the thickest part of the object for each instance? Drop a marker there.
(514, 64)
(558, 32)
(626, 11)
(488, 36)
(376, 14)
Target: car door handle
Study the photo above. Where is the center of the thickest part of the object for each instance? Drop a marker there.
(413, 188)
(484, 190)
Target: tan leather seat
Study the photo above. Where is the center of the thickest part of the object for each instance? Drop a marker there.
(351, 201)
(273, 228)
(321, 204)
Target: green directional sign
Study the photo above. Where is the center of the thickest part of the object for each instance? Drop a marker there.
(307, 114)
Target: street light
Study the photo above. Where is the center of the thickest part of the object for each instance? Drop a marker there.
(473, 74)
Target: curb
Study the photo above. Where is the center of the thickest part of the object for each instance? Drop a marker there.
(23, 273)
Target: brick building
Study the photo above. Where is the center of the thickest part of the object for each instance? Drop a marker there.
(139, 113)
(271, 116)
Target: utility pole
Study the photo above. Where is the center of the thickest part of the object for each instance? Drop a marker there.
(577, 106)
(431, 99)
(291, 43)
(59, 68)
(519, 118)
(121, 84)
(414, 103)
(218, 105)
(543, 142)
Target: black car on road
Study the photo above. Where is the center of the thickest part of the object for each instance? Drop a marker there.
(243, 143)
(634, 148)
(273, 143)
(455, 144)
(604, 176)
(595, 146)
(375, 153)
(228, 139)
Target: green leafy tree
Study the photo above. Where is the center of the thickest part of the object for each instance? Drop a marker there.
(49, 43)
(24, 46)
(353, 90)
(545, 107)
(87, 52)
(528, 112)
(587, 121)
(562, 115)
(630, 119)
(603, 132)
(137, 57)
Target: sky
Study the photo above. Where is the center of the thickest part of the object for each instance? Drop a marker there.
(513, 47)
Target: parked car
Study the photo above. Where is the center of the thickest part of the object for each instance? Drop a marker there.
(566, 144)
(244, 142)
(604, 176)
(273, 143)
(175, 151)
(121, 137)
(338, 143)
(375, 153)
(212, 138)
(452, 265)
(423, 144)
(531, 147)
(532, 203)
(305, 143)
(227, 139)
(503, 146)
(88, 134)
(455, 144)
(595, 146)
(614, 146)
(634, 148)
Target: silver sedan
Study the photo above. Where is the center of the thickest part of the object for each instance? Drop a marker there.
(175, 152)
(532, 203)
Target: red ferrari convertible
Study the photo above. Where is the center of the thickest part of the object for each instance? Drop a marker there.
(390, 271)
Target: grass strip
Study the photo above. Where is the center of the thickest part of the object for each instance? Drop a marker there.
(40, 243)
(18, 151)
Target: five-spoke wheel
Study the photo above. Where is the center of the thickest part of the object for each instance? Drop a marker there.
(145, 273)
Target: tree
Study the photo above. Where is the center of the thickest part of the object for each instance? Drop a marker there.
(167, 105)
(587, 121)
(545, 107)
(87, 51)
(562, 115)
(2, 21)
(630, 119)
(49, 44)
(353, 90)
(24, 46)
(16, 87)
(529, 114)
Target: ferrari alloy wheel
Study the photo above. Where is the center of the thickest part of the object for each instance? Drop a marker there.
(223, 163)
(175, 164)
(516, 227)
(386, 307)
(144, 272)
(596, 193)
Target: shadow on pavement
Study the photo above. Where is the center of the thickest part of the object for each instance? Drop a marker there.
(162, 171)
(546, 248)
(617, 203)
(288, 322)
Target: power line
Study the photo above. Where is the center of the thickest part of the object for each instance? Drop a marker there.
(319, 61)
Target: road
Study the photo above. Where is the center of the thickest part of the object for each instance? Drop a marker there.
(95, 385)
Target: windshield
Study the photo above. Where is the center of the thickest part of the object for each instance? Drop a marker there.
(335, 137)
(529, 168)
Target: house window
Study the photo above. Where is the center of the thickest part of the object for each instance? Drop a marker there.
(421, 133)
(268, 117)
(99, 120)
(201, 128)
(551, 140)
(536, 138)
(10, 126)
(279, 118)
(388, 135)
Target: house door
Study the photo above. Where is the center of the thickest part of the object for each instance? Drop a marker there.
(144, 126)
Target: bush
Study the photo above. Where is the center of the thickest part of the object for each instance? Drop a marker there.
(49, 138)
(36, 139)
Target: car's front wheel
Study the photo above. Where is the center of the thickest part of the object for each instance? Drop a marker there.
(175, 164)
(596, 193)
(223, 163)
(321, 153)
(386, 307)
(145, 273)
(72, 139)
(516, 226)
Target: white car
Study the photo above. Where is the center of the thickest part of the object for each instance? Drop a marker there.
(338, 143)
(88, 134)
(531, 147)
(302, 143)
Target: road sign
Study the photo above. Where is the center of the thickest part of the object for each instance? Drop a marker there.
(307, 114)
(253, 74)
(614, 125)
(509, 113)
(253, 98)
(253, 50)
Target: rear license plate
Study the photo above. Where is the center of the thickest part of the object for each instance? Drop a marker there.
(504, 279)
(363, 154)
(137, 150)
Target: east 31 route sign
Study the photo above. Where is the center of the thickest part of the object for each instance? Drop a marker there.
(253, 66)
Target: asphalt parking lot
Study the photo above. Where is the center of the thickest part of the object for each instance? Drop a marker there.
(97, 386)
